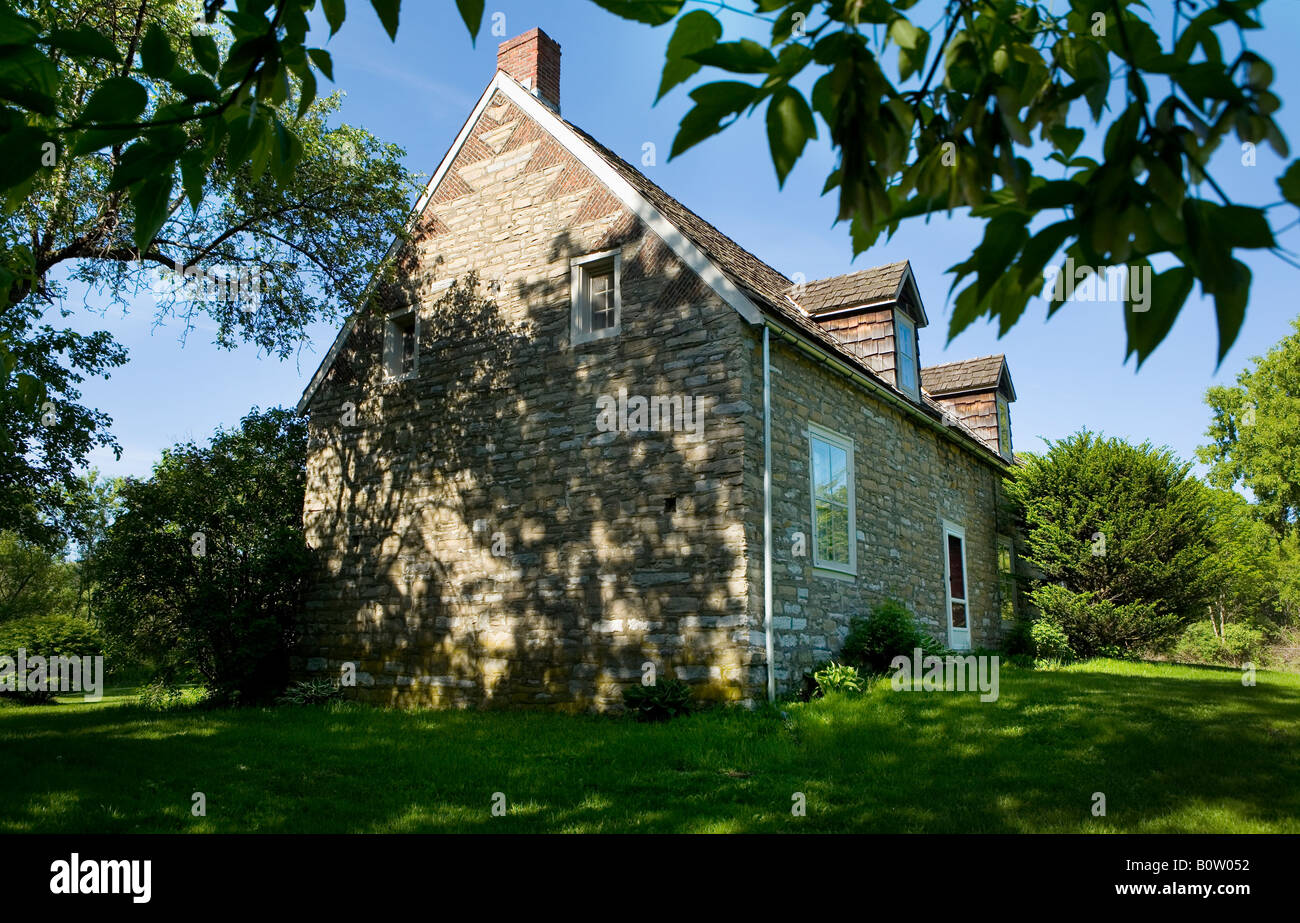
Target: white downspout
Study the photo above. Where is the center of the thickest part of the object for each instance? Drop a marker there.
(767, 514)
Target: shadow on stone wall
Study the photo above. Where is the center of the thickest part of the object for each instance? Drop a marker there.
(484, 544)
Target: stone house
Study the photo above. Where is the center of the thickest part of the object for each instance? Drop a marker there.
(585, 435)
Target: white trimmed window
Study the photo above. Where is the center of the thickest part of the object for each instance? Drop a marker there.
(401, 344)
(906, 371)
(833, 545)
(597, 299)
(954, 581)
(1004, 429)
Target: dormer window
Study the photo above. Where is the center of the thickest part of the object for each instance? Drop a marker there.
(596, 297)
(907, 373)
(401, 344)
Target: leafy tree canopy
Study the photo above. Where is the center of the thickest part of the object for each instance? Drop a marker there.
(1127, 524)
(145, 146)
(1255, 433)
(205, 568)
(987, 107)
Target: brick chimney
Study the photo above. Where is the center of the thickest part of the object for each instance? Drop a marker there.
(533, 60)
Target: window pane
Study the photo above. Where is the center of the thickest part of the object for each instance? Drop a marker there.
(956, 573)
(958, 615)
(601, 299)
(408, 349)
(905, 346)
(832, 523)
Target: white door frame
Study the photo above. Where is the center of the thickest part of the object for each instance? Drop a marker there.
(958, 638)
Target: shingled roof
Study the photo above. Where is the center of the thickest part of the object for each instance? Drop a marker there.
(756, 279)
(982, 374)
(867, 286)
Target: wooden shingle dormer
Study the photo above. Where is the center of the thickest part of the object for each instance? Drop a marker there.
(979, 393)
(875, 314)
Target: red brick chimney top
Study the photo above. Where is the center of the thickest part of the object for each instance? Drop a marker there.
(533, 60)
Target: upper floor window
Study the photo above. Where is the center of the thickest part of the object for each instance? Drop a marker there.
(401, 344)
(596, 297)
(832, 501)
(906, 371)
(1004, 429)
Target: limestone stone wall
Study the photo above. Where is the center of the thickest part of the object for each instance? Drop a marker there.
(908, 479)
(482, 542)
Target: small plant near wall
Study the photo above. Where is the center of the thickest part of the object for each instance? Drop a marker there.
(663, 701)
(890, 631)
(839, 677)
(311, 692)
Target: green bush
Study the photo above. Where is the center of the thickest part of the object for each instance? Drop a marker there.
(1098, 627)
(666, 699)
(49, 636)
(1240, 643)
(160, 696)
(839, 677)
(311, 692)
(890, 631)
(1050, 642)
(205, 570)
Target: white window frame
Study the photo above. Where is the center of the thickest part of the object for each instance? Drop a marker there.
(901, 321)
(579, 304)
(959, 639)
(393, 345)
(1003, 411)
(840, 441)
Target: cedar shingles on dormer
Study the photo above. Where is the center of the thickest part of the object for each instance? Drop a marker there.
(973, 390)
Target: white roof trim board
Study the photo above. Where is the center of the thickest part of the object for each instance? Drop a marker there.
(676, 241)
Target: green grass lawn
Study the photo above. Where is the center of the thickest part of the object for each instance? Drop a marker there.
(1173, 748)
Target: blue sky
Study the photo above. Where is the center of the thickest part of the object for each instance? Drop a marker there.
(1069, 372)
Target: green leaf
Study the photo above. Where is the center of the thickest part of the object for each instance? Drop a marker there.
(790, 125)
(150, 199)
(1003, 238)
(1055, 194)
(94, 139)
(193, 176)
(288, 151)
(695, 31)
(1240, 226)
(471, 11)
(28, 78)
(84, 42)
(651, 12)
(1146, 329)
(148, 158)
(1066, 140)
(117, 99)
(195, 86)
(321, 58)
(904, 34)
(15, 29)
(388, 12)
(1230, 307)
(713, 102)
(307, 93)
(1289, 183)
(335, 12)
(21, 153)
(157, 58)
(205, 52)
(743, 57)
